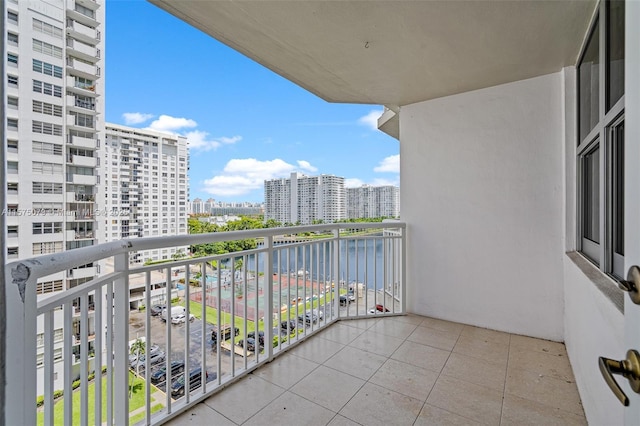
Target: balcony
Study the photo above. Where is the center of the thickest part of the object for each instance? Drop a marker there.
(82, 69)
(81, 179)
(403, 370)
(82, 50)
(82, 142)
(81, 160)
(83, 32)
(262, 287)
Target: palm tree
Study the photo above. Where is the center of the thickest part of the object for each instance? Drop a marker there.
(138, 348)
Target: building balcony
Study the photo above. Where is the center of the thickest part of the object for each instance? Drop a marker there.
(267, 288)
(81, 11)
(82, 69)
(75, 197)
(81, 105)
(81, 88)
(82, 273)
(81, 179)
(80, 160)
(83, 142)
(83, 51)
(82, 32)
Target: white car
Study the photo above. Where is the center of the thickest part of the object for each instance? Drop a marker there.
(178, 319)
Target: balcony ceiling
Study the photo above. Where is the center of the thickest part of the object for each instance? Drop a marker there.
(396, 52)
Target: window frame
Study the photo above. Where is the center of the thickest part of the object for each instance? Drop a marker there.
(603, 138)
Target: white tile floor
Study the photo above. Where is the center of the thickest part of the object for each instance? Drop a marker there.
(408, 370)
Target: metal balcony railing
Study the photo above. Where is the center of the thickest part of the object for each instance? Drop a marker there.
(225, 315)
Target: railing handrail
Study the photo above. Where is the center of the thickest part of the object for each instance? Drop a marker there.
(41, 266)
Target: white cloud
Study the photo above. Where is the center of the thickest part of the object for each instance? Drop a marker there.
(136, 117)
(166, 123)
(371, 120)
(305, 165)
(243, 175)
(390, 164)
(200, 140)
(353, 183)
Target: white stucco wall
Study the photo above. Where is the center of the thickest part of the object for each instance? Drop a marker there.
(594, 327)
(482, 191)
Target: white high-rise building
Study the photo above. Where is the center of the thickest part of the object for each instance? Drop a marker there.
(305, 199)
(55, 108)
(373, 201)
(146, 187)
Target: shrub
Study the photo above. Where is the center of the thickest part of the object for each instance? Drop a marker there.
(58, 394)
(76, 384)
(104, 369)
(40, 401)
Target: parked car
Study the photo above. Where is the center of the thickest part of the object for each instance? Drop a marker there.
(288, 326)
(156, 310)
(250, 344)
(225, 333)
(179, 319)
(154, 359)
(160, 374)
(378, 308)
(308, 318)
(347, 299)
(153, 349)
(252, 335)
(195, 381)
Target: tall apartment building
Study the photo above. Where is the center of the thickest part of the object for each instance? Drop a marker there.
(305, 199)
(373, 201)
(197, 206)
(55, 104)
(146, 187)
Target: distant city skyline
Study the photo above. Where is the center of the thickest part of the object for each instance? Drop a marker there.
(244, 123)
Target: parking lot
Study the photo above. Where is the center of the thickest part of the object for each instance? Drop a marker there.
(158, 331)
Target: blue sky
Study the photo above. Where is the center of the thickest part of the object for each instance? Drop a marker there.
(244, 123)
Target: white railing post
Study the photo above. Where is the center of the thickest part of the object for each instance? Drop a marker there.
(268, 297)
(403, 269)
(21, 330)
(335, 282)
(121, 343)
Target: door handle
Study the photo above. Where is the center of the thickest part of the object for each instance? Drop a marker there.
(628, 368)
(632, 284)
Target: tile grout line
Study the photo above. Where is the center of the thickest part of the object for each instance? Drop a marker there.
(506, 376)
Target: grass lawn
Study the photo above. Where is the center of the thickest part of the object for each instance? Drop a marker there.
(137, 400)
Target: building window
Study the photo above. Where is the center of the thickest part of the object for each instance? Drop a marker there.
(12, 167)
(46, 168)
(12, 252)
(47, 49)
(12, 102)
(47, 228)
(12, 39)
(12, 59)
(46, 128)
(46, 188)
(47, 248)
(46, 108)
(12, 80)
(600, 151)
(12, 188)
(12, 145)
(46, 148)
(46, 68)
(12, 17)
(48, 287)
(12, 124)
(83, 120)
(43, 27)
